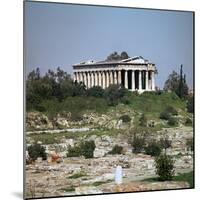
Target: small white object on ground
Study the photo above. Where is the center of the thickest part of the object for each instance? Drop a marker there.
(118, 175)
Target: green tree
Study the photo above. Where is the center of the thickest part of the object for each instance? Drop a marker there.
(95, 91)
(114, 94)
(172, 82)
(87, 148)
(116, 57)
(113, 57)
(153, 148)
(124, 55)
(138, 143)
(36, 151)
(177, 83)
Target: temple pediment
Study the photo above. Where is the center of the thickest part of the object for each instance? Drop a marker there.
(136, 60)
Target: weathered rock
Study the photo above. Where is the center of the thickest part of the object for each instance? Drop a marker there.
(98, 153)
(87, 190)
(106, 138)
(61, 122)
(37, 121)
(119, 124)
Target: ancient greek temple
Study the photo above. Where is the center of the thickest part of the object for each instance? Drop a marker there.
(134, 73)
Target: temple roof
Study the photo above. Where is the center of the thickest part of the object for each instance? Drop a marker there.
(132, 60)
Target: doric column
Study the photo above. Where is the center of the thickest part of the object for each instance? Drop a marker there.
(77, 77)
(115, 77)
(147, 81)
(85, 79)
(133, 80)
(126, 79)
(88, 78)
(140, 80)
(153, 80)
(92, 79)
(100, 84)
(74, 76)
(80, 77)
(95, 78)
(107, 79)
(111, 77)
(103, 80)
(119, 77)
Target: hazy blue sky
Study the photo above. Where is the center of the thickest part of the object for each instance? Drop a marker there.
(62, 35)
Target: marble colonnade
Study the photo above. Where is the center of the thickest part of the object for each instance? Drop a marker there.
(142, 80)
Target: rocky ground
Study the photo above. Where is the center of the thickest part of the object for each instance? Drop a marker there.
(76, 176)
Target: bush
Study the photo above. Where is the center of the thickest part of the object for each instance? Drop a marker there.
(74, 151)
(165, 115)
(138, 144)
(164, 167)
(171, 110)
(125, 118)
(75, 116)
(116, 150)
(36, 151)
(165, 143)
(153, 149)
(87, 148)
(125, 100)
(143, 120)
(188, 121)
(172, 121)
(95, 91)
(114, 94)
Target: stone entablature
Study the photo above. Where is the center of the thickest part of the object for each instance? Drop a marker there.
(134, 74)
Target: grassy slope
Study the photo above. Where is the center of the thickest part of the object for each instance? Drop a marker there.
(186, 177)
(148, 103)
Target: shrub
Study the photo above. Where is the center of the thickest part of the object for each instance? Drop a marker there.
(165, 143)
(165, 115)
(116, 150)
(164, 167)
(125, 118)
(36, 151)
(143, 120)
(138, 143)
(153, 149)
(87, 148)
(75, 116)
(171, 110)
(172, 121)
(126, 100)
(114, 93)
(95, 91)
(74, 151)
(188, 121)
